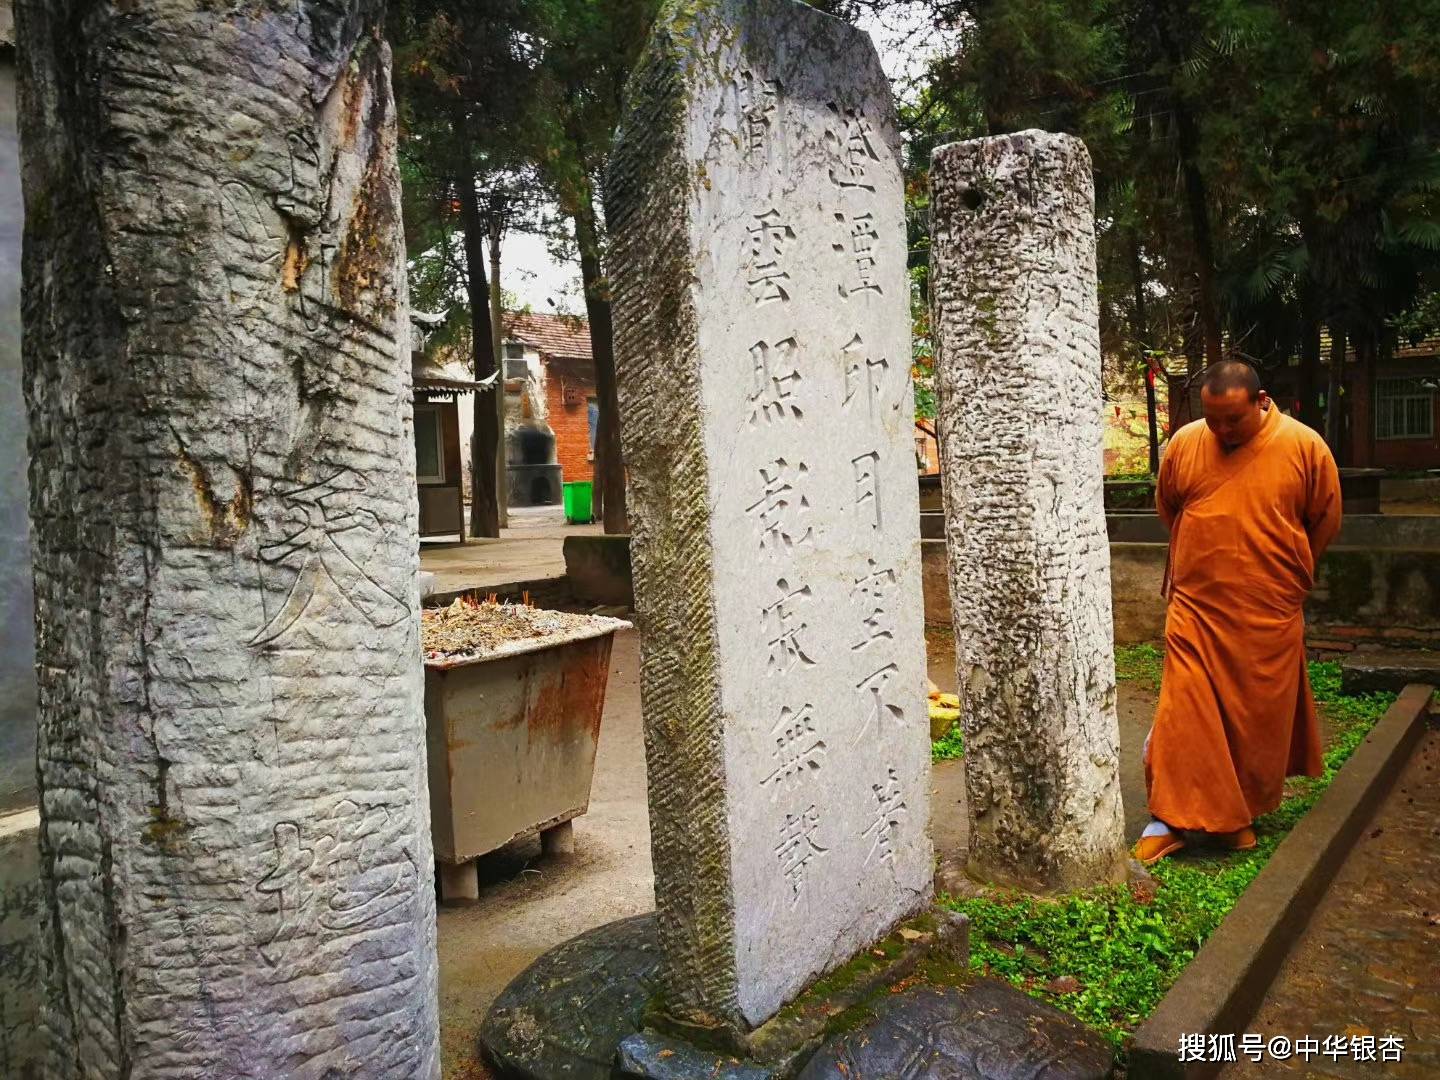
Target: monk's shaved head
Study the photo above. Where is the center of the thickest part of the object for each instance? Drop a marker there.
(1230, 375)
(1233, 401)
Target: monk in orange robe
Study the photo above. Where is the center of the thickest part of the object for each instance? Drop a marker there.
(1252, 499)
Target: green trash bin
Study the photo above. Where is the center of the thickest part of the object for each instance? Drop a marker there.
(577, 502)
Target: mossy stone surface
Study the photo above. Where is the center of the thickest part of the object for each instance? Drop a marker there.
(565, 1015)
(984, 1030)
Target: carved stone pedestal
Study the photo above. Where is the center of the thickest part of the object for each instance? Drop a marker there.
(587, 1009)
(908, 1007)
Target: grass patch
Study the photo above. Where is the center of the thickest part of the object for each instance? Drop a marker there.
(949, 746)
(1109, 955)
(945, 709)
(1139, 664)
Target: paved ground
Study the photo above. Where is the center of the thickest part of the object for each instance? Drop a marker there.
(530, 903)
(1368, 966)
(530, 548)
(1413, 507)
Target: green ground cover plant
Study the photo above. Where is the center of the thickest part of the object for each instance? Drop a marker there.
(1109, 955)
(949, 746)
(1139, 664)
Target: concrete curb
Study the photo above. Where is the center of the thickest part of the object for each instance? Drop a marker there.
(1222, 988)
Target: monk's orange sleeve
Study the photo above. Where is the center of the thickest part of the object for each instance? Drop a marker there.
(1167, 499)
(1322, 511)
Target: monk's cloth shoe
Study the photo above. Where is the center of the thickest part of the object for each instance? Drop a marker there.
(1239, 840)
(1151, 849)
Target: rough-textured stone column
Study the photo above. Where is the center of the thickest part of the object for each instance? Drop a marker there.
(763, 349)
(1017, 322)
(235, 836)
(17, 632)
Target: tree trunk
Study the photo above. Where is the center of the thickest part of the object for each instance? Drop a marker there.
(1152, 419)
(609, 463)
(502, 473)
(1192, 343)
(1309, 372)
(1172, 24)
(1334, 426)
(1362, 405)
(1139, 327)
(484, 496)
(223, 497)
(1197, 205)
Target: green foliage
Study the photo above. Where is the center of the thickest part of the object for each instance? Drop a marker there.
(949, 746)
(1122, 948)
(463, 75)
(1261, 167)
(1421, 321)
(922, 348)
(1344, 710)
(588, 48)
(1140, 663)
(518, 98)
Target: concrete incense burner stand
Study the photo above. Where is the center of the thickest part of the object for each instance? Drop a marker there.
(511, 735)
(589, 1010)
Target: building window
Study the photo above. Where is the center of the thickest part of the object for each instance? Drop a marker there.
(592, 408)
(429, 458)
(514, 350)
(517, 369)
(1404, 409)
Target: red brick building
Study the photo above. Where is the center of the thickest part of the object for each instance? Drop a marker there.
(554, 351)
(1390, 413)
(927, 448)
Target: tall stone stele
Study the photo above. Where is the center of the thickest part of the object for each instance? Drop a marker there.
(1016, 319)
(235, 836)
(762, 342)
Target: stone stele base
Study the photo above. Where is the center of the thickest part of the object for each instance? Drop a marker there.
(588, 1010)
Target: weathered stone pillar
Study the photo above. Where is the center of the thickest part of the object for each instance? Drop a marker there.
(17, 631)
(762, 341)
(235, 836)
(1016, 317)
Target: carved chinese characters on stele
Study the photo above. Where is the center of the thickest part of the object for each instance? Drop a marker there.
(803, 412)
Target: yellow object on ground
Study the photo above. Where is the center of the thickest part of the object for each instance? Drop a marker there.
(1151, 849)
(944, 708)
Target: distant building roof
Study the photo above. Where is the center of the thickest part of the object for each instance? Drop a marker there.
(434, 382)
(563, 337)
(1427, 347)
(1404, 349)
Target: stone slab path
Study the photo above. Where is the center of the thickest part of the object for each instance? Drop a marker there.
(532, 547)
(530, 903)
(1368, 966)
